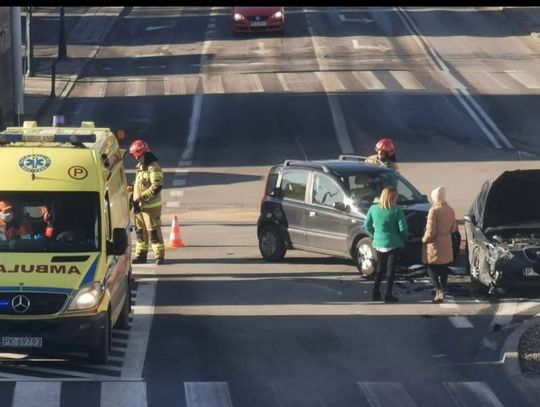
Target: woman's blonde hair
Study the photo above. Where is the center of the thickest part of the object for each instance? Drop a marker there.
(388, 197)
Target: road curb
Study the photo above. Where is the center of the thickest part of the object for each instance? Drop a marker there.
(529, 386)
(48, 106)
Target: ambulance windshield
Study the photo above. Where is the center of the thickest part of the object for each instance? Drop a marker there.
(49, 222)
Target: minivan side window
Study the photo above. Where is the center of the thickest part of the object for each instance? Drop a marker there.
(294, 184)
(325, 191)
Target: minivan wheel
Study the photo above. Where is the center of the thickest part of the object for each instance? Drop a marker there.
(100, 353)
(271, 244)
(365, 257)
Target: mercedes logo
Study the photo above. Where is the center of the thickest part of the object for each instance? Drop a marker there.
(20, 304)
(257, 18)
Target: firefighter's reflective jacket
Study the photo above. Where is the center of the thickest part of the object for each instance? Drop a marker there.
(148, 182)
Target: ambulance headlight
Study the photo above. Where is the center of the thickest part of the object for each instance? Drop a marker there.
(88, 297)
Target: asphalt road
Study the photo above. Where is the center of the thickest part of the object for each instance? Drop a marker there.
(455, 88)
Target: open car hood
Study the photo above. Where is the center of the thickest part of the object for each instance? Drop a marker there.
(513, 199)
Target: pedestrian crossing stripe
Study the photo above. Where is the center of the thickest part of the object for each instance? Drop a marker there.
(306, 82)
(217, 394)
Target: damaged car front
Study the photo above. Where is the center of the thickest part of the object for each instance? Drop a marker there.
(502, 232)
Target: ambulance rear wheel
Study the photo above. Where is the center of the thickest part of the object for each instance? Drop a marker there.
(100, 353)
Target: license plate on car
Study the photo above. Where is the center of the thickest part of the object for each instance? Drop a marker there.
(529, 272)
(22, 341)
(258, 23)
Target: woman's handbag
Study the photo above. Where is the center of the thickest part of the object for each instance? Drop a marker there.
(456, 243)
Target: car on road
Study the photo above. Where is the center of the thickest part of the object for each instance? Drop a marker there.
(320, 206)
(502, 230)
(255, 19)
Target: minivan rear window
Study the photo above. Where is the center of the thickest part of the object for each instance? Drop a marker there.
(294, 184)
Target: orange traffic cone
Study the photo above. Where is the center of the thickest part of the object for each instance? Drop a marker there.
(175, 239)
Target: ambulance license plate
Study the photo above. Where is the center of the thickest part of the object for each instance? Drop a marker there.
(258, 23)
(22, 341)
(529, 272)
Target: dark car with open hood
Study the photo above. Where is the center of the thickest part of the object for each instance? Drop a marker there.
(502, 231)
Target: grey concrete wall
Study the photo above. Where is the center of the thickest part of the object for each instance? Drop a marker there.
(6, 71)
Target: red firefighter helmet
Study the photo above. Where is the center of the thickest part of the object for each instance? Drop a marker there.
(386, 145)
(138, 148)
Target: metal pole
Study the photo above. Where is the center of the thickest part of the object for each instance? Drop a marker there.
(62, 51)
(29, 44)
(53, 80)
(16, 53)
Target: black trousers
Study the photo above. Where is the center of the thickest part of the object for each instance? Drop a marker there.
(438, 273)
(385, 266)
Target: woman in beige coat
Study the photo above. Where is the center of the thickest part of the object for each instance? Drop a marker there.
(437, 250)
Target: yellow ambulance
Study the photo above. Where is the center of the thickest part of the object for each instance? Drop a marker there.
(65, 258)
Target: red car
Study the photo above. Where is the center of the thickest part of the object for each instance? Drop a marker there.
(251, 19)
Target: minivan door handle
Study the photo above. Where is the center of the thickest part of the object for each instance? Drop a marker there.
(312, 213)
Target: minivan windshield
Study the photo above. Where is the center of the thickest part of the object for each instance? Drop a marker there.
(364, 188)
(49, 222)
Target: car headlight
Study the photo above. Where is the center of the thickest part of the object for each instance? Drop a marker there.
(278, 15)
(88, 297)
(238, 17)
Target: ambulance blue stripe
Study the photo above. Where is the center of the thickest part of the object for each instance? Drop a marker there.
(90, 275)
(36, 289)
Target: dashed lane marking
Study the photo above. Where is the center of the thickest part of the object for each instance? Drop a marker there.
(123, 394)
(380, 394)
(42, 394)
(466, 394)
(207, 394)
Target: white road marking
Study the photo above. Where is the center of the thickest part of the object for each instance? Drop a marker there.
(185, 163)
(158, 27)
(179, 182)
(460, 321)
(466, 394)
(136, 88)
(381, 48)
(504, 314)
(140, 331)
(36, 394)
(193, 127)
(455, 83)
(382, 394)
(283, 82)
(476, 119)
(525, 78)
(340, 126)
(207, 394)
(212, 84)
(407, 80)
(123, 394)
(177, 193)
(355, 20)
(368, 80)
(172, 204)
(330, 82)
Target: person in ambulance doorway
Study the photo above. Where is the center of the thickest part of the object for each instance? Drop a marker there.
(386, 154)
(13, 225)
(146, 199)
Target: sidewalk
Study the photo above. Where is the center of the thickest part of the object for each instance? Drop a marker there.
(85, 29)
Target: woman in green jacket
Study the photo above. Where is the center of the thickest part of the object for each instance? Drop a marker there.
(387, 226)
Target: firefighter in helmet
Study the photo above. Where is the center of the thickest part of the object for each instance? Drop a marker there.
(147, 203)
(386, 154)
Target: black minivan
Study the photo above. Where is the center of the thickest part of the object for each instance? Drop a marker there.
(320, 206)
